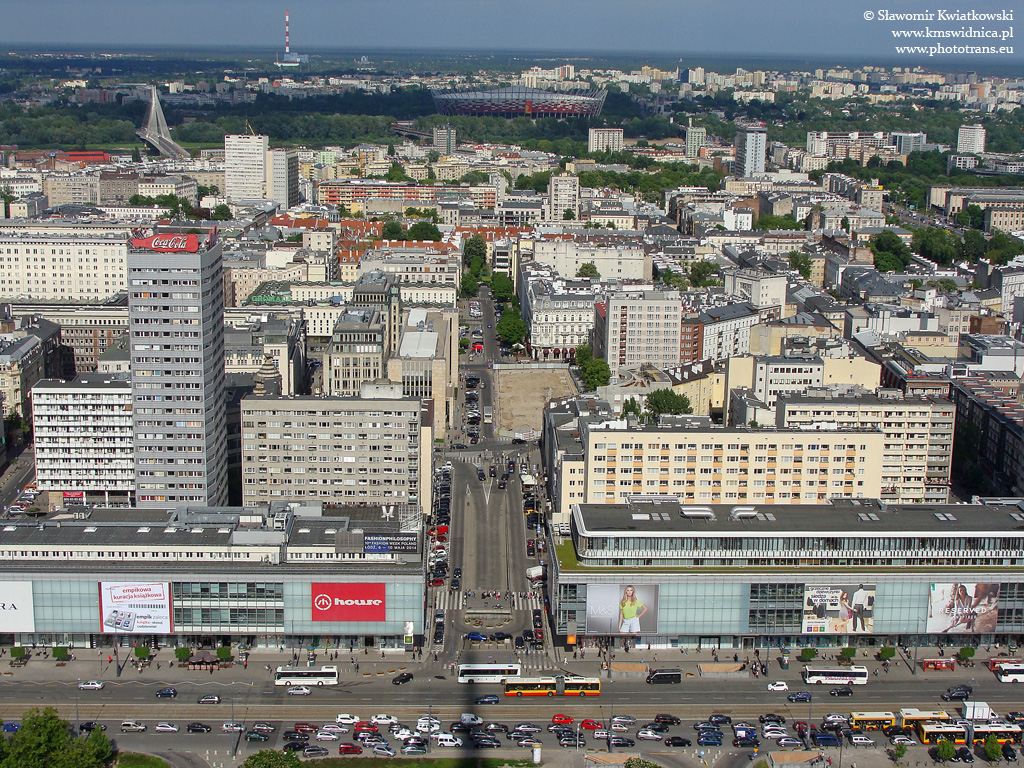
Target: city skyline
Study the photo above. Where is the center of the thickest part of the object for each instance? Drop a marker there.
(796, 29)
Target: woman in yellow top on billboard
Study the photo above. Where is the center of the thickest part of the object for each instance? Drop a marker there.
(631, 611)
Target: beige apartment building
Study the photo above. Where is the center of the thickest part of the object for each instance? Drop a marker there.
(916, 454)
(367, 450)
(62, 267)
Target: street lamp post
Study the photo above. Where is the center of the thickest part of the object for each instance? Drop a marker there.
(78, 723)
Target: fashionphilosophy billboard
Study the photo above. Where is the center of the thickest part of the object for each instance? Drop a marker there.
(622, 609)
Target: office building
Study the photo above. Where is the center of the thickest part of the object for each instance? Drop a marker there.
(59, 267)
(176, 329)
(356, 352)
(635, 328)
(558, 312)
(605, 140)
(279, 336)
(906, 143)
(751, 145)
(444, 139)
(916, 457)
(366, 450)
(970, 139)
(282, 183)
(82, 431)
(245, 166)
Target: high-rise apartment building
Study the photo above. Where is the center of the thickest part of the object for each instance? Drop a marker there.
(638, 328)
(751, 144)
(906, 143)
(245, 166)
(444, 139)
(563, 196)
(970, 139)
(605, 140)
(695, 137)
(282, 183)
(176, 329)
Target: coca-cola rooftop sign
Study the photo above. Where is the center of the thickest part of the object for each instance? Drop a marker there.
(169, 243)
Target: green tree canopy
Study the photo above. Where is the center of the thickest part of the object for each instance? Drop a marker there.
(973, 246)
(674, 279)
(769, 221)
(663, 401)
(632, 405)
(221, 213)
(701, 273)
(596, 374)
(423, 230)
(475, 247)
(46, 741)
(568, 215)
(269, 758)
(937, 245)
(944, 749)
(588, 269)
(502, 287)
(993, 750)
(392, 230)
(469, 286)
(891, 253)
(584, 354)
(801, 262)
(511, 327)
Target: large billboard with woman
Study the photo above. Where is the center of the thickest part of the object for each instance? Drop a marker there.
(839, 609)
(622, 609)
(958, 608)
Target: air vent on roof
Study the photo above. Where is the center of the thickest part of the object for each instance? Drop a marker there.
(170, 530)
(330, 531)
(223, 530)
(10, 528)
(1017, 516)
(744, 513)
(303, 530)
(640, 516)
(697, 513)
(195, 530)
(143, 530)
(946, 516)
(89, 529)
(867, 517)
(770, 517)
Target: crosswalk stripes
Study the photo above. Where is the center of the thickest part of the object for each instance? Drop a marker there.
(446, 599)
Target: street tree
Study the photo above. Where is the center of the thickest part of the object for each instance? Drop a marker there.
(502, 287)
(993, 750)
(944, 750)
(392, 230)
(469, 287)
(475, 248)
(221, 213)
(801, 262)
(665, 401)
(588, 269)
(511, 327)
(596, 374)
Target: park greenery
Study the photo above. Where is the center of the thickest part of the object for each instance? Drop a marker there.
(421, 230)
(594, 371)
(511, 327)
(46, 741)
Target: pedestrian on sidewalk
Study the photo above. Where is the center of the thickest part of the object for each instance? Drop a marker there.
(574, 654)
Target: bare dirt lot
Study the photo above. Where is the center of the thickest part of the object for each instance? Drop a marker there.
(522, 395)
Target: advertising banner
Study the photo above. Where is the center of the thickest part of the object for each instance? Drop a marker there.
(135, 608)
(168, 243)
(957, 608)
(348, 602)
(839, 610)
(622, 609)
(17, 611)
(383, 544)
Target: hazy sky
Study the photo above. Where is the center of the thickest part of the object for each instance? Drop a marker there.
(792, 28)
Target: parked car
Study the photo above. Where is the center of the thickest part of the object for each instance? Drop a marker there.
(166, 693)
(90, 685)
(198, 728)
(209, 699)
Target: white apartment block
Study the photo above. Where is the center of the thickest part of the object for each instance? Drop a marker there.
(613, 262)
(695, 138)
(762, 289)
(344, 451)
(970, 139)
(413, 266)
(563, 196)
(751, 146)
(179, 186)
(605, 140)
(245, 166)
(637, 328)
(726, 331)
(62, 267)
(916, 455)
(282, 182)
(83, 438)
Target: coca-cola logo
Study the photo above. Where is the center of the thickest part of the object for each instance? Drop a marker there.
(168, 243)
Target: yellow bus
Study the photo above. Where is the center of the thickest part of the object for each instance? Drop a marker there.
(582, 686)
(911, 716)
(932, 733)
(872, 721)
(531, 686)
(1004, 732)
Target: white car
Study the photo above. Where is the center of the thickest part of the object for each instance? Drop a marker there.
(90, 685)
(346, 719)
(648, 735)
(425, 726)
(333, 728)
(299, 690)
(231, 727)
(862, 740)
(383, 719)
(470, 719)
(778, 686)
(403, 733)
(601, 734)
(627, 719)
(902, 740)
(166, 728)
(327, 736)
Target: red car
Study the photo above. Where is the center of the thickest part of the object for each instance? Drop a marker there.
(441, 538)
(363, 727)
(350, 749)
(562, 720)
(590, 725)
(437, 582)
(538, 633)
(306, 728)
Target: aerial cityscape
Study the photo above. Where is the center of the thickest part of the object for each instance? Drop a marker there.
(666, 357)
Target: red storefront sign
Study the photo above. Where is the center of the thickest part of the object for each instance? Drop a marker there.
(348, 602)
(169, 243)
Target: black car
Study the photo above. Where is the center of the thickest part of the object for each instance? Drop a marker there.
(520, 643)
(166, 693)
(518, 441)
(844, 691)
(656, 727)
(965, 755)
(455, 447)
(480, 474)
(402, 679)
(486, 742)
(897, 730)
(528, 635)
(496, 727)
(747, 742)
(771, 718)
(257, 736)
(666, 719)
(620, 741)
(531, 550)
(91, 725)
(957, 695)
(1009, 753)
(294, 746)
(460, 727)
(677, 741)
(502, 636)
(198, 728)
(295, 736)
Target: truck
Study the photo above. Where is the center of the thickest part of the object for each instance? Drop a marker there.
(488, 414)
(537, 573)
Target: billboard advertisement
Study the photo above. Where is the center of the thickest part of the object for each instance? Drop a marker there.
(17, 611)
(622, 609)
(957, 608)
(383, 544)
(839, 609)
(135, 608)
(348, 602)
(168, 243)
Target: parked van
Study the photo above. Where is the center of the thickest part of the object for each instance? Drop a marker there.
(447, 740)
(661, 676)
(132, 726)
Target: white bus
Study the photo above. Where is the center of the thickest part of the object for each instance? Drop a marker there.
(1011, 673)
(839, 676)
(488, 414)
(488, 673)
(306, 676)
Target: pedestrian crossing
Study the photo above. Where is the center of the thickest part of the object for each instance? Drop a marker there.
(447, 600)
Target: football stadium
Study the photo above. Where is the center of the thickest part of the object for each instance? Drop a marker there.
(518, 101)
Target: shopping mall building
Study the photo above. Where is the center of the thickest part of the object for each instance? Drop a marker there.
(855, 572)
(284, 575)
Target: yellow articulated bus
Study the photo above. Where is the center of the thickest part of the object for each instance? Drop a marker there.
(872, 721)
